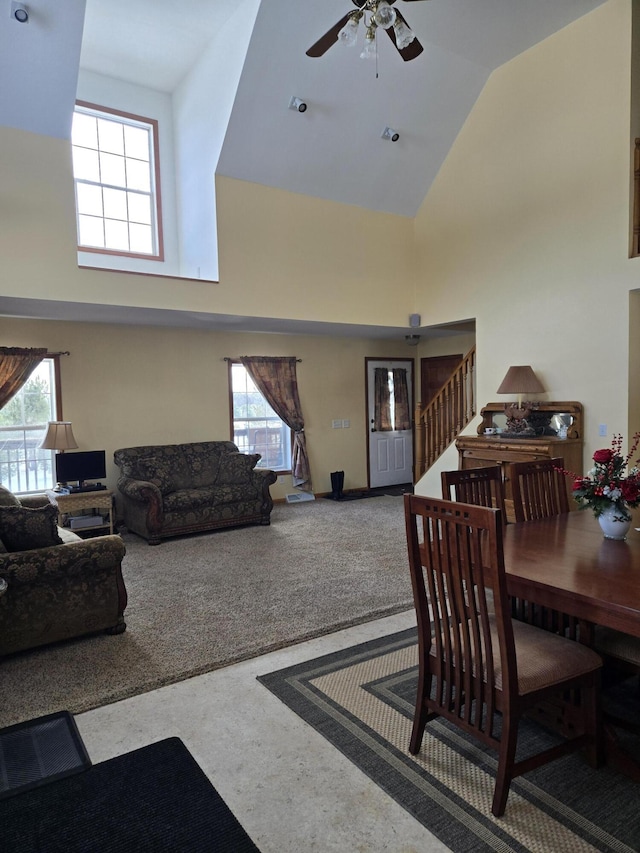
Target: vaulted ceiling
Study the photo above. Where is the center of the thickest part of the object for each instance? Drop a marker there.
(334, 150)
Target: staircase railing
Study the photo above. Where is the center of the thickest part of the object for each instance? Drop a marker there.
(445, 416)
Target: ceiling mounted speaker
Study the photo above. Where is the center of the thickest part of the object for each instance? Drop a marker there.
(414, 320)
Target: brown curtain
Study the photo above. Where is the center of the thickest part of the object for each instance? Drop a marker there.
(16, 366)
(277, 381)
(402, 417)
(382, 400)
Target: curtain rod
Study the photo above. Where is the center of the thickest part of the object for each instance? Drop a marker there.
(58, 353)
(226, 358)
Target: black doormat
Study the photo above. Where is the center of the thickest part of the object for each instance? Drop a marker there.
(361, 699)
(152, 800)
(40, 751)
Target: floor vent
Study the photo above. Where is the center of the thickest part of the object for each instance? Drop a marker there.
(300, 497)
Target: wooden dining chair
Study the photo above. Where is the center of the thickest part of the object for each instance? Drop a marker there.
(538, 489)
(479, 486)
(477, 667)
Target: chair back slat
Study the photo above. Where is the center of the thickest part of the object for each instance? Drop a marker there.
(456, 563)
(538, 489)
(478, 486)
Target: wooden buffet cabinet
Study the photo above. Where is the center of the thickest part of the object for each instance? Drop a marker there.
(477, 451)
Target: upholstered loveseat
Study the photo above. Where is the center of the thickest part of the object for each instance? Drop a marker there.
(172, 489)
(55, 585)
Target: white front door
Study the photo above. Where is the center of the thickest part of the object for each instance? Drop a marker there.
(390, 449)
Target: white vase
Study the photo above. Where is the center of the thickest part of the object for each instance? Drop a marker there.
(614, 522)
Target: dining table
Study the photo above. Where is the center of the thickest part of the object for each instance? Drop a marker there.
(565, 563)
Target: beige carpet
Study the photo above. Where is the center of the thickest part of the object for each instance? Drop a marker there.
(197, 603)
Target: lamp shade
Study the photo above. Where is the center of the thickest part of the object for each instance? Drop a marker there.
(59, 436)
(520, 380)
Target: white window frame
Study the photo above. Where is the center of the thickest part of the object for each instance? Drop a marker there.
(266, 433)
(25, 467)
(154, 194)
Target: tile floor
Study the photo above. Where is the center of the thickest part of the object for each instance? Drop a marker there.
(291, 790)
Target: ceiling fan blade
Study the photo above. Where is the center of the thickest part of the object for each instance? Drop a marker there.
(412, 50)
(328, 39)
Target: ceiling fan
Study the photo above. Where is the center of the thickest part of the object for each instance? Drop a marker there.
(373, 14)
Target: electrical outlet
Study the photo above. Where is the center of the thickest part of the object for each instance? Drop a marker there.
(346, 424)
(336, 424)
(602, 430)
(281, 480)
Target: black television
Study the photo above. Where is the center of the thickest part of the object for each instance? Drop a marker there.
(81, 466)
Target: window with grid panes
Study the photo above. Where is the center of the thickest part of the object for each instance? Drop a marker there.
(116, 182)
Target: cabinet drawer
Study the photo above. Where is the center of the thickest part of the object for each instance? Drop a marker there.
(501, 455)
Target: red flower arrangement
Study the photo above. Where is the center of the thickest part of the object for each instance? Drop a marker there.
(609, 482)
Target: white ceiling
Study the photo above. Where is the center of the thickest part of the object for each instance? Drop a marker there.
(334, 150)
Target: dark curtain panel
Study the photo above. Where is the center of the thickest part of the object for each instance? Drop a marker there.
(16, 366)
(382, 400)
(402, 416)
(277, 381)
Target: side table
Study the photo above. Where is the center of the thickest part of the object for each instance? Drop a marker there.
(82, 501)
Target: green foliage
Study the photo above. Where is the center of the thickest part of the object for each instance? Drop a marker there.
(31, 405)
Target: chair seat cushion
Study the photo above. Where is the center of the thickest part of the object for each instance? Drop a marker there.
(543, 658)
(616, 644)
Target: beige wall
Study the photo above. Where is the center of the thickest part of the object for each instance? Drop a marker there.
(526, 226)
(281, 254)
(129, 385)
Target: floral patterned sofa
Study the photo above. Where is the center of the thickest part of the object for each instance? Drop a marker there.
(53, 584)
(172, 489)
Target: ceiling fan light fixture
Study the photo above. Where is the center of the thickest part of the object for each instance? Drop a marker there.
(369, 51)
(348, 35)
(384, 15)
(404, 34)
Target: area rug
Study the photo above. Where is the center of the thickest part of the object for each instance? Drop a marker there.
(152, 800)
(197, 603)
(361, 699)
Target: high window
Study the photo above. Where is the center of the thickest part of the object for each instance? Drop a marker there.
(24, 466)
(255, 426)
(117, 184)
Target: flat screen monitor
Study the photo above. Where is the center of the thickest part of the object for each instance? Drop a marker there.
(80, 466)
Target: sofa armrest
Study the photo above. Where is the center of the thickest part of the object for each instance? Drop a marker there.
(67, 560)
(34, 501)
(265, 477)
(148, 498)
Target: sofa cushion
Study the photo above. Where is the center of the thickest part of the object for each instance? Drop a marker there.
(7, 498)
(201, 461)
(186, 499)
(236, 468)
(193, 499)
(22, 528)
(156, 470)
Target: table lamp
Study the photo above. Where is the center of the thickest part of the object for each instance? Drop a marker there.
(520, 379)
(59, 436)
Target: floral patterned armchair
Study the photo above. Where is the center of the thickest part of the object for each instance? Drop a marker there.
(55, 591)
